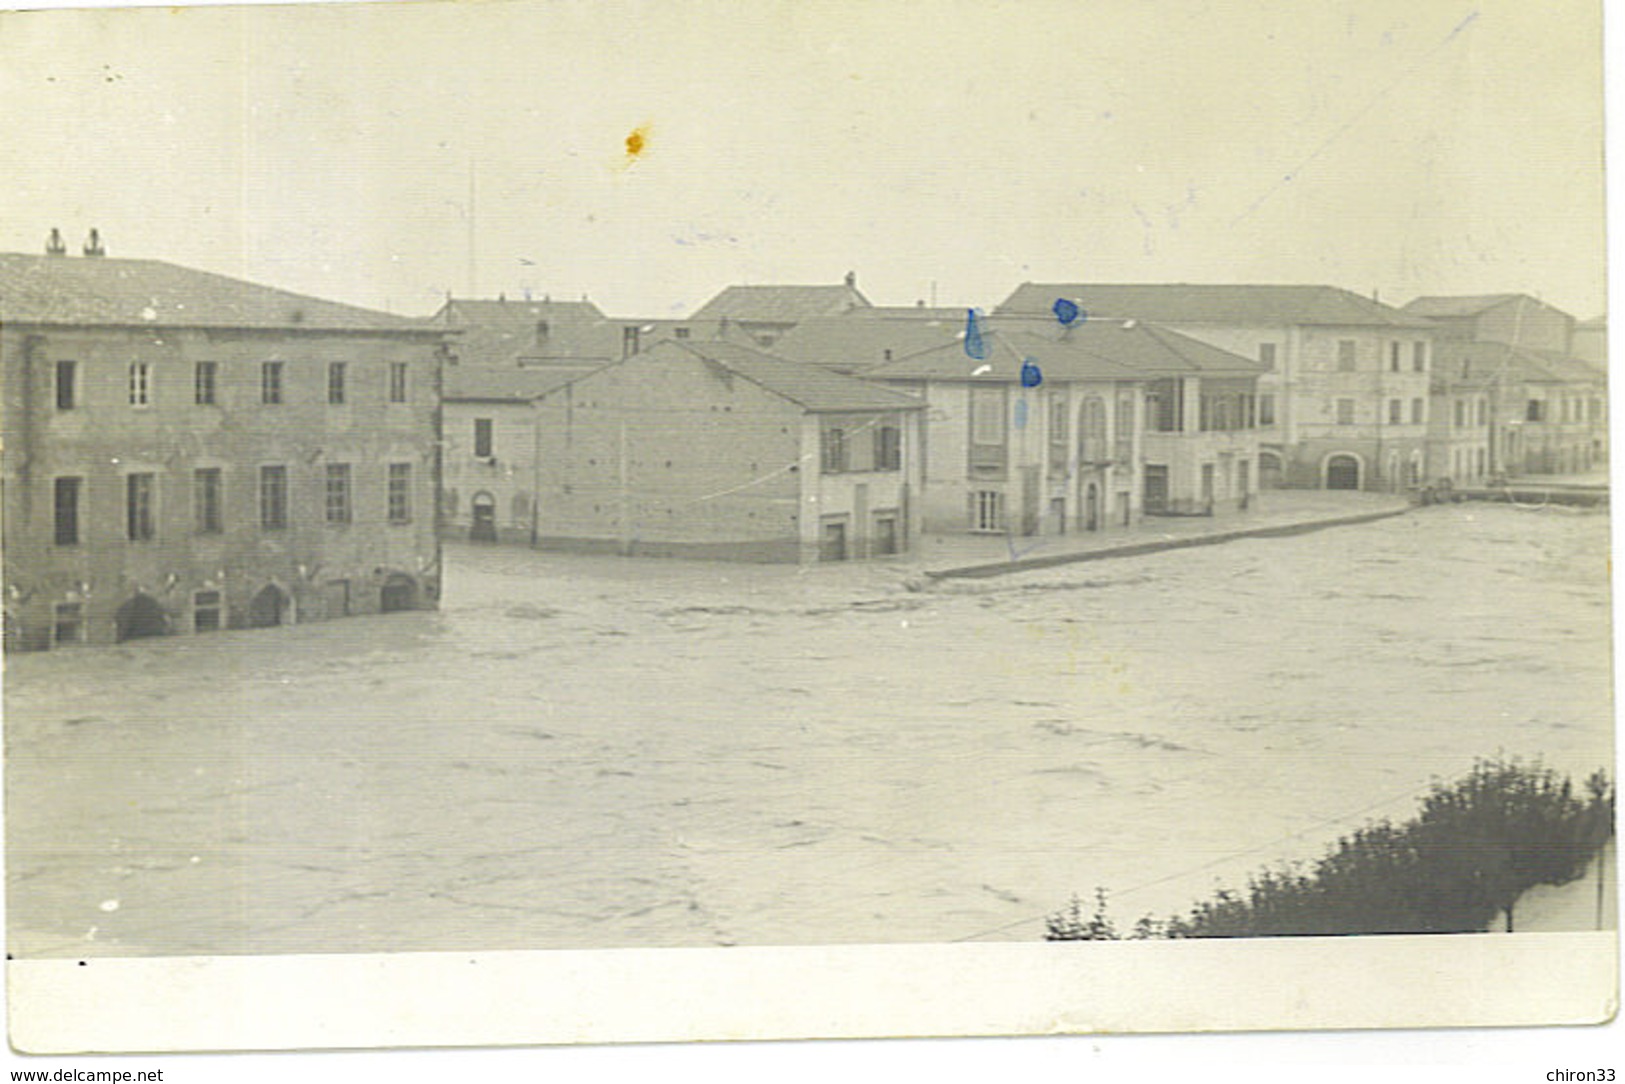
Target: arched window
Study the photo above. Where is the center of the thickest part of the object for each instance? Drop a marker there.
(1092, 446)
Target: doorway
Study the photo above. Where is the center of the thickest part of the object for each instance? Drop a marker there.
(1342, 472)
(267, 608)
(483, 515)
(399, 593)
(139, 617)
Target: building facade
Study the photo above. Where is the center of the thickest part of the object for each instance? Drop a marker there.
(714, 450)
(186, 452)
(1052, 430)
(1342, 399)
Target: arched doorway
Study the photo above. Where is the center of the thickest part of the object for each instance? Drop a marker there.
(1343, 472)
(482, 512)
(141, 616)
(266, 609)
(1091, 507)
(399, 593)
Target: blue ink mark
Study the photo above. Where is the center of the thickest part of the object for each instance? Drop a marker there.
(974, 346)
(1031, 375)
(1021, 413)
(1067, 311)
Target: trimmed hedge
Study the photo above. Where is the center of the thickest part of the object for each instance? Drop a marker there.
(1476, 846)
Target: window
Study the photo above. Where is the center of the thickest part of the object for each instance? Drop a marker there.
(70, 623)
(138, 517)
(1092, 447)
(1535, 411)
(1396, 411)
(400, 492)
(206, 611)
(482, 438)
(1482, 406)
(1057, 430)
(1124, 428)
(206, 514)
(1345, 412)
(335, 383)
(140, 383)
(1461, 413)
(1266, 410)
(271, 382)
(273, 498)
(1345, 355)
(681, 332)
(987, 415)
(629, 341)
(397, 381)
(67, 510)
(888, 448)
(1419, 355)
(1164, 406)
(203, 383)
(832, 450)
(338, 493)
(1393, 357)
(1266, 355)
(986, 510)
(66, 389)
(1418, 411)
(541, 332)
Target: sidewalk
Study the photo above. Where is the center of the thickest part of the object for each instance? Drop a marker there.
(1275, 512)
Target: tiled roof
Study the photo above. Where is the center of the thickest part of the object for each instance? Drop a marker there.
(461, 382)
(1446, 306)
(1483, 363)
(1184, 303)
(104, 291)
(780, 304)
(812, 387)
(1090, 350)
(860, 341)
(505, 333)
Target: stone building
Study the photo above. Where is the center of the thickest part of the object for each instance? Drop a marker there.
(1343, 396)
(711, 449)
(186, 452)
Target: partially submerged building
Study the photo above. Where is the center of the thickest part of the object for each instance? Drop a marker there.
(1043, 428)
(712, 449)
(1343, 396)
(186, 452)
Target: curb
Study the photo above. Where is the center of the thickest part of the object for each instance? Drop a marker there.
(1136, 549)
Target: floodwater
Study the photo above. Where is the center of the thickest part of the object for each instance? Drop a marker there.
(589, 752)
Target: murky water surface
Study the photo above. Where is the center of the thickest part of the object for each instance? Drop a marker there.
(590, 752)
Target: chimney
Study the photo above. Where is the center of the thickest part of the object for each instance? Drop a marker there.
(851, 280)
(54, 245)
(93, 244)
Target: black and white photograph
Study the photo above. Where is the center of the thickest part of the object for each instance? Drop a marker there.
(804, 520)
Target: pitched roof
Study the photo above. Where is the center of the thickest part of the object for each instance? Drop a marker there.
(505, 333)
(1446, 306)
(1481, 363)
(780, 304)
(812, 387)
(465, 383)
(1087, 350)
(1177, 303)
(150, 293)
(860, 340)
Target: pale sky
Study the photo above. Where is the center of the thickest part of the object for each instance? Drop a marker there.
(960, 146)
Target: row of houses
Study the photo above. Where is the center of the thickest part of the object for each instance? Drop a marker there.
(1070, 407)
(186, 452)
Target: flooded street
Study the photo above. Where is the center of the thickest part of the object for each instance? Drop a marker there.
(584, 752)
